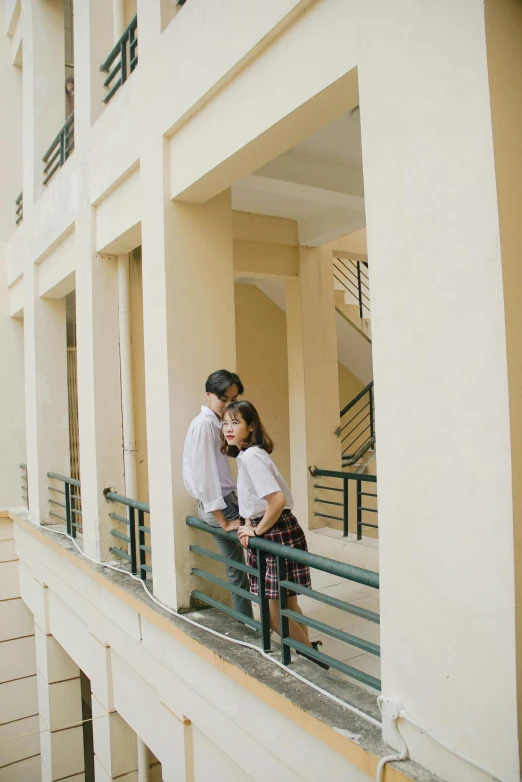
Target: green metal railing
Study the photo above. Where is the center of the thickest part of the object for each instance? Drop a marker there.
(347, 479)
(122, 60)
(137, 550)
(19, 208)
(71, 505)
(284, 554)
(23, 484)
(60, 150)
(357, 429)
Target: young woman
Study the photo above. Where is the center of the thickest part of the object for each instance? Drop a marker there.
(266, 504)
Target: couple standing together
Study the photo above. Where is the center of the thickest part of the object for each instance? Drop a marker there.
(263, 504)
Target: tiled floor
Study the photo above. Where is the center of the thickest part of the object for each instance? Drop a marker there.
(359, 595)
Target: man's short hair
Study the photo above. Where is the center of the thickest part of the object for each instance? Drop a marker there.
(218, 382)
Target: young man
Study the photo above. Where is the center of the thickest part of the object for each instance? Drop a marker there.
(208, 478)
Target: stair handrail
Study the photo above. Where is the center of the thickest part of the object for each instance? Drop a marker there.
(359, 396)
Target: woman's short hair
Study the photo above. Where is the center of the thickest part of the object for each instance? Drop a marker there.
(218, 382)
(258, 435)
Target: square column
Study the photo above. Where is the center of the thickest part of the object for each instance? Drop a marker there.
(60, 710)
(188, 312)
(46, 401)
(446, 508)
(115, 750)
(43, 87)
(99, 394)
(93, 40)
(313, 380)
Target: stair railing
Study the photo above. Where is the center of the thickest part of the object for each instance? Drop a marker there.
(357, 429)
(363, 491)
(353, 276)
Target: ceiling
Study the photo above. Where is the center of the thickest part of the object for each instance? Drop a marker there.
(318, 183)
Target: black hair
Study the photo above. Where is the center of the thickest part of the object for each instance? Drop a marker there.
(218, 382)
(258, 435)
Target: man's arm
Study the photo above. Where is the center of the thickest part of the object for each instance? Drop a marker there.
(206, 476)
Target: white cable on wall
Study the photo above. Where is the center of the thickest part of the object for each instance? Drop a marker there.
(245, 644)
(403, 714)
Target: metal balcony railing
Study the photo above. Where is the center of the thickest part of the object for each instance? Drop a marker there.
(60, 150)
(282, 554)
(71, 505)
(350, 481)
(137, 550)
(19, 208)
(122, 60)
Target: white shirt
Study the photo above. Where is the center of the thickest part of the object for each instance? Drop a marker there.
(257, 477)
(206, 471)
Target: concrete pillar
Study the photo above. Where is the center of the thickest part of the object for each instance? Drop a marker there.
(442, 373)
(503, 31)
(43, 87)
(93, 40)
(60, 709)
(312, 375)
(188, 312)
(12, 416)
(115, 752)
(47, 420)
(99, 396)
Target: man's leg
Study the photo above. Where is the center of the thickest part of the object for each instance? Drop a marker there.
(233, 550)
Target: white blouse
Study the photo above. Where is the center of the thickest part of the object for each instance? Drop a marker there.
(257, 477)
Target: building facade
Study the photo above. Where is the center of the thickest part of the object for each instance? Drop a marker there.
(324, 196)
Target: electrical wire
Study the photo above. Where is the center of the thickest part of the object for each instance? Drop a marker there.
(403, 755)
(244, 644)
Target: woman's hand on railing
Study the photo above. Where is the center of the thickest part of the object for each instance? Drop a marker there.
(245, 532)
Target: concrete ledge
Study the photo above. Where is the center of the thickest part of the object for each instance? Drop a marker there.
(344, 732)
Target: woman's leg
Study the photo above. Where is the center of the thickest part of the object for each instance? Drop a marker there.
(294, 606)
(296, 630)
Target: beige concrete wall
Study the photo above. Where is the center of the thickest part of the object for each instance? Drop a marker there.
(12, 419)
(19, 757)
(349, 385)
(138, 375)
(503, 36)
(262, 365)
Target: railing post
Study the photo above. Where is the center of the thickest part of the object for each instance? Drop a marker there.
(132, 536)
(359, 509)
(70, 529)
(345, 508)
(264, 616)
(359, 288)
(62, 147)
(141, 542)
(372, 422)
(123, 60)
(286, 656)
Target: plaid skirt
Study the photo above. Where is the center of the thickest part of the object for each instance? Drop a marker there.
(287, 532)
